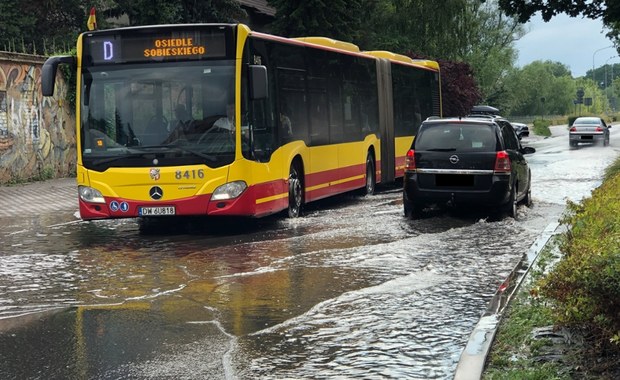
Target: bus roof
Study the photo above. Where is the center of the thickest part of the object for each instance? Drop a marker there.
(403, 58)
(389, 55)
(329, 42)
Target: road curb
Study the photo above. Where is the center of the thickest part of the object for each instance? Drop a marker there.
(473, 358)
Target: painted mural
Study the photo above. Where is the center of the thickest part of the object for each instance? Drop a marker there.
(37, 134)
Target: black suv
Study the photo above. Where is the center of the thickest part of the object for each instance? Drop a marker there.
(474, 161)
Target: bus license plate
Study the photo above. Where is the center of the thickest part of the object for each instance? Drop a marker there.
(156, 211)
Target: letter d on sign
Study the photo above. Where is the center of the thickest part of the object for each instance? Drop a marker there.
(108, 51)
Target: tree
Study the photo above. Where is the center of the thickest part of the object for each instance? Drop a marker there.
(607, 10)
(33, 26)
(525, 9)
(526, 87)
(150, 12)
(490, 49)
(338, 19)
(210, 11)
(429, 28)
(459, 91)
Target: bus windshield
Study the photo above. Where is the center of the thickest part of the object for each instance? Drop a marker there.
(175, 113)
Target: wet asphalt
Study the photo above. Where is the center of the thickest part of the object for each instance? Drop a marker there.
(60, 196)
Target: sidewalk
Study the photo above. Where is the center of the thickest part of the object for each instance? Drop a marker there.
(39, 197)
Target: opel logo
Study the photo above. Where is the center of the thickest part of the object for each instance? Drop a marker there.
(156, 193)
(454, 159)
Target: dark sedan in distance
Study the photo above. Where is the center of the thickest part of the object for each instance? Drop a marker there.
(522, 130)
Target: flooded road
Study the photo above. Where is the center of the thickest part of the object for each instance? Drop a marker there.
(350, 290)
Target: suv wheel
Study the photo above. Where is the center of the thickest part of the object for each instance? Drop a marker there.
(412, 210)
(528, 198)
(511, 206)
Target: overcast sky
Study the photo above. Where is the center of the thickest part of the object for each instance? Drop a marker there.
(571, 41)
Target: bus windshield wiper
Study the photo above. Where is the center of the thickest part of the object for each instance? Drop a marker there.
(191, 151)
(129, 152)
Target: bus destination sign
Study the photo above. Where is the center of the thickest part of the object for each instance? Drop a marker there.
(173, 47)
(139, 46)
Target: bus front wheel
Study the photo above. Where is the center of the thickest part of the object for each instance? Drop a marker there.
(295, 191)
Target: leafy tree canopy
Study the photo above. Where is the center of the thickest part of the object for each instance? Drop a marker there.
(607, 10)
(335, 18)
(458, 87)
(150, 12)
(541, 88)
(47, 26)
(35, 26)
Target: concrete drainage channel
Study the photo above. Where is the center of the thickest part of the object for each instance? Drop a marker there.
(473, 358)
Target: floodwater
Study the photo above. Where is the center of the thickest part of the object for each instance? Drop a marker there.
(350, 290)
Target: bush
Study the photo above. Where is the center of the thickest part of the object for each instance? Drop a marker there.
(541, 127)
(571, 120)
(586, 282)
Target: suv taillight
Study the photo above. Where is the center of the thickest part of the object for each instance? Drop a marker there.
(410, 160)
(502, 162)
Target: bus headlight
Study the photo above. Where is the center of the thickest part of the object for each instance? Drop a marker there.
(229, 190)
(88, 194)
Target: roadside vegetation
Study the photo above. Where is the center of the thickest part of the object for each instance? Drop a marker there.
(573, 295)
(42, 174)
(541, 127)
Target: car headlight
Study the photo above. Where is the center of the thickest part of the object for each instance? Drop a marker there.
(229, 190)
(88, 194)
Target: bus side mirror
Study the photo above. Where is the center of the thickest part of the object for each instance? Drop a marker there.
(259, 83)
(48, 75)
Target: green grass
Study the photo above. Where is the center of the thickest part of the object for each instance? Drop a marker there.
(612, 170)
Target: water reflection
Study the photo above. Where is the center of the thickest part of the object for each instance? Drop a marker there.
(110, 342)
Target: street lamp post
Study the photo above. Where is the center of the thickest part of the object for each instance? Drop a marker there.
(593, 77)
(615, 56)
(593, 54)
(612, 77)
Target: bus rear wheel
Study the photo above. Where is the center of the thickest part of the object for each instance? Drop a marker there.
(295, 191)
(371, 175)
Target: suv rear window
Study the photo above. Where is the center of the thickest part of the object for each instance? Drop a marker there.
(456, 136)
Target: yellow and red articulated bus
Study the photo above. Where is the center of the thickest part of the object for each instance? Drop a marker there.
(215, 119)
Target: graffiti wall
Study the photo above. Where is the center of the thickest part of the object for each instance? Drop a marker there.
(37, 134)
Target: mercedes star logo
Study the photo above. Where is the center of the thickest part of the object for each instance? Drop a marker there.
(156, 193)
(454, 159)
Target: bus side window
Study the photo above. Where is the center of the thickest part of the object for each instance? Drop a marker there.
(262, 132)
(292, 108)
